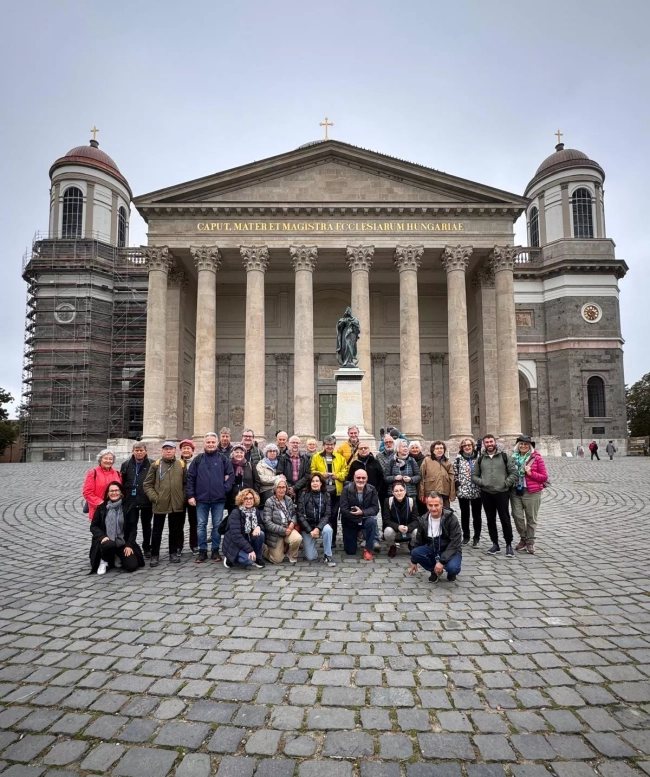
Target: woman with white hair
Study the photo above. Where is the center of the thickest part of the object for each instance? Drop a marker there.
(267, 471)
(97, 481)
(402, 468)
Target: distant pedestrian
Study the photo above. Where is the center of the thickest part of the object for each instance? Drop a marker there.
(593, 447)
(610, 450)
(526, 495)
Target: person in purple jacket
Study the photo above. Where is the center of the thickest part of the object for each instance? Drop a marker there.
(209, 479)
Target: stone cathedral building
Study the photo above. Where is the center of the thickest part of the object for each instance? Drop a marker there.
(227, 317)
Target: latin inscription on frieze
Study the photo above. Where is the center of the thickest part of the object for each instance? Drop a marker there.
(323, 227)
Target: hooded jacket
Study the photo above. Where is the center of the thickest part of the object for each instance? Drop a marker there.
(495, 474)
(167, 494)
(450, 540)
(339, 468)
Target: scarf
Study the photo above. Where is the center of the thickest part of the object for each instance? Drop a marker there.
(250, 519)
(115, 522)
(521, 461)
(469, 460)
(401, 463)
(401, 510)
(272, 464)
(239, 467)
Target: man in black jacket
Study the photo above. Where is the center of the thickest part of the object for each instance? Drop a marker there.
(136, 502)
(359, 509)
(296, 467)
(438, 544)
(366, 461)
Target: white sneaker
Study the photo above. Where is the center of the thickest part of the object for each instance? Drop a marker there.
(101, 569)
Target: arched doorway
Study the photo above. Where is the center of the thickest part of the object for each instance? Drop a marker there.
(524, 405)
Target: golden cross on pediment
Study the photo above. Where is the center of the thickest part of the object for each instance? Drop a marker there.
(327, 123)
(94, 130)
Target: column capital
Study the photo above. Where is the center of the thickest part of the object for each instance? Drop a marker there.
(503, 258)
(483, 278)
(255, 257)
(378, 358)
(176, 279)
(206, 258)
(158, 258)
(456, 257)
(408, 257)
(304, 257)
(359, 257)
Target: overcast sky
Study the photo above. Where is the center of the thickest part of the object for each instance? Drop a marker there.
(184, 89)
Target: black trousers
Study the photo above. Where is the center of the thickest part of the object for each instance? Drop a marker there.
(108, 551)
(493, 504)
(142, 512)
(594, 455)
(334, 515)
(191, 519)
(176, 521)
(475, 506)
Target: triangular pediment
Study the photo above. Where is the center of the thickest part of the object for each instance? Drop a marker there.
(330, 172)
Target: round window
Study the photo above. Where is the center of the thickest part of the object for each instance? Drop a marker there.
(65, 313)
(591, 312)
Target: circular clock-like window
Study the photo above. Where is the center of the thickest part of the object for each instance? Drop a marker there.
(591, 312)
(65, 313)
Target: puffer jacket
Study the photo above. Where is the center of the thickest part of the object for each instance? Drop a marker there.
(277, 517)
(437, 476)
(463, 469)
(95, 484)
(267, 476)
(235, 539)
(314, 510)
(410, 469)
(538, 474)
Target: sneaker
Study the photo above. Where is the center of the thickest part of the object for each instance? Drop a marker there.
(475, 542)
(433, 578)
(509, 552)
(465, 540)
(147, 554)
(451, 578)
(101, 569)
(530, 548)
(329, 561)
(521, 545)
(175, 558)
(214, 556)
(155, 560)
(226, 564)
(203, 556)
(259, 563)
(367, 555)
(494, 550)
(392, 551)
(293, 560)
(194, 551)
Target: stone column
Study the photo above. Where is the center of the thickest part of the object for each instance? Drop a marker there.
(407, 260)
(455, 261)
(256, 260)
(486, 328)
(378, 361)
(503, 262)
(359, 260)
(304, 260)
(282, 391)
(176, 286)
(438, 394)
(207, 260)
(159, 261)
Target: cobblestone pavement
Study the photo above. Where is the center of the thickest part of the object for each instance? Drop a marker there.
(535, 665)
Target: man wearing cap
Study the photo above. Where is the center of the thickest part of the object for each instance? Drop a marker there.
(165, 487)
(136, 503)
(187, 454)
(209, 480)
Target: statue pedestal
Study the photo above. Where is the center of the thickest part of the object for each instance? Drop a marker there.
(349, 407)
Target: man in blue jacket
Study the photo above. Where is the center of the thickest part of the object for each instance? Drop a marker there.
(209, 479)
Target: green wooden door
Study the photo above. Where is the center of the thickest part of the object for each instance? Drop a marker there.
(326, 415)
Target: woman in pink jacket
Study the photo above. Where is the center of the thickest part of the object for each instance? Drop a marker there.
(97, 480)
(526, 494)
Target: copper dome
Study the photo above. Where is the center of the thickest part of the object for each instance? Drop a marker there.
(91, 156)
(564, 159)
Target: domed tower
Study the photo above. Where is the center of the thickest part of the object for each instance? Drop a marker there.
(85, 329)
(567, 299)
(89, 197)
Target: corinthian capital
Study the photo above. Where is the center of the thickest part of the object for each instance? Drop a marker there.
(503, 258)
(304, 257)
(359, 257)
(158, 258)
(255, 257)
(206, 258)
(456, 258)
(408, 257)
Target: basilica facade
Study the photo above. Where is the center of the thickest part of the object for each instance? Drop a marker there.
(247, 271)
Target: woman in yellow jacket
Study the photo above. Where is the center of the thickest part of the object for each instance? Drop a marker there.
(334, 469)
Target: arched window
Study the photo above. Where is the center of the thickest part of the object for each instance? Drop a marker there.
(534, 228)
(121, 227)
(73, 211)
(583, 223)
(596, 397)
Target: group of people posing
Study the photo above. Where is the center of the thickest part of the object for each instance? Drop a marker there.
(280, 498)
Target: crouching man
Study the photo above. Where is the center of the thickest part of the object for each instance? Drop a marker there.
(438, 541)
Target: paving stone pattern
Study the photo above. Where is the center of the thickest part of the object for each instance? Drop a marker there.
(528, 667)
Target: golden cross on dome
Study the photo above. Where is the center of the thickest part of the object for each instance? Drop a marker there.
(327, 123)
(559, 136)
(94, 130)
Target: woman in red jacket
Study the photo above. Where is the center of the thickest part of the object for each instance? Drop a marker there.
(526, 495)
(98, 479)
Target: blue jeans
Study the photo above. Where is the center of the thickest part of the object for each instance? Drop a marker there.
(203, 511)
(257, 543)
(369, 529)
(425, 556)
(309, 543)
